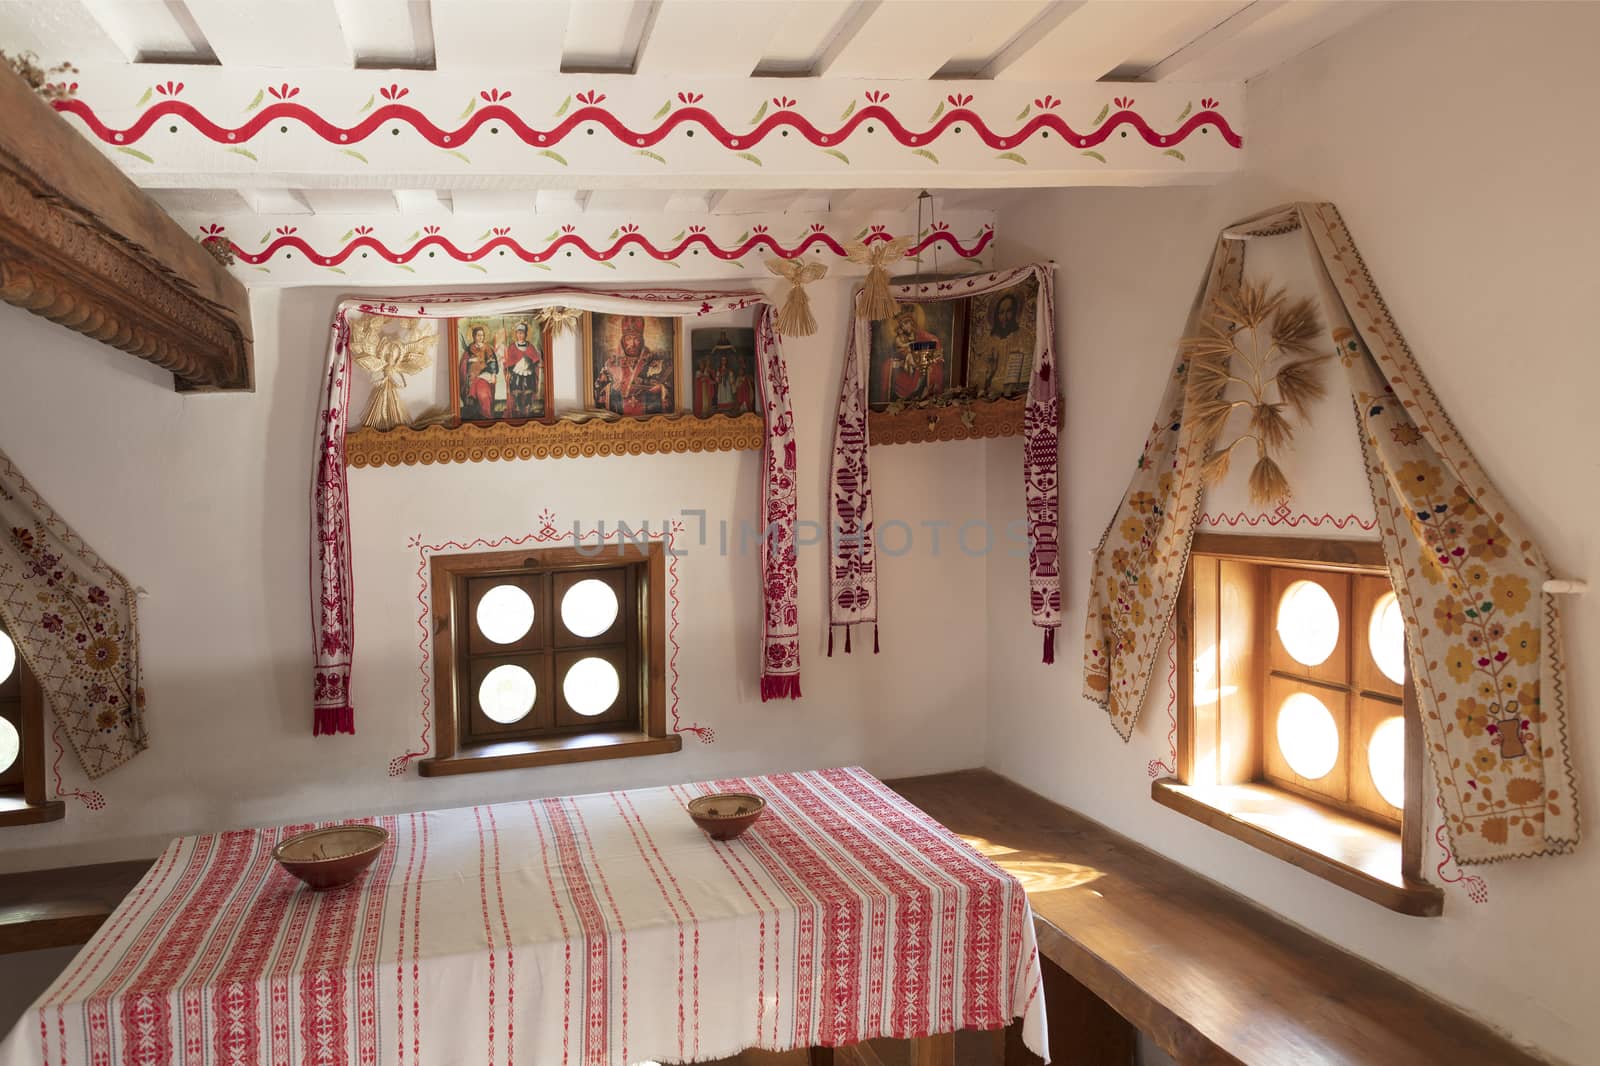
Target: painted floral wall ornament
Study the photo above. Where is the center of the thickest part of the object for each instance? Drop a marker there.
(558, 320)
(794, 317)
(876, 304)
(1254, 337)
(389, 350)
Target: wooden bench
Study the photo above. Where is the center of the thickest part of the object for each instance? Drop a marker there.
(62, 907)
(1207, 975)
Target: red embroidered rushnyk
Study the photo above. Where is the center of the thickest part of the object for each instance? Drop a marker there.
(591, 930)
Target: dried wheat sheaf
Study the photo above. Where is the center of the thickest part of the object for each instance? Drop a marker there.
(1269, 341)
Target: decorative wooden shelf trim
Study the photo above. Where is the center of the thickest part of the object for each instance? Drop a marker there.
(82, 246)
(919, 425)
(475, 442)
(62, 907)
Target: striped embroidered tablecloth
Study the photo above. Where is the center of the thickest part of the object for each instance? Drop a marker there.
(579, 931)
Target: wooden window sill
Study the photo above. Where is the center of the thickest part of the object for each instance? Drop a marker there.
(14, 810)
(1335, 847)
(520, 754)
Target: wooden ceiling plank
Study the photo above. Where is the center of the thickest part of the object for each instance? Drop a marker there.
(148, 32)
(605, 37)
(81, 245)
(59, 31)
(916, 38)
(384, 34)
(709, 38)
(522, 35)
(803, 35)
(284, 33)
(993, 32)
(1100, 36)
(1263, 36)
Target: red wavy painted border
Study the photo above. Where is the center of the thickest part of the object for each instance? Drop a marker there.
(758, 241)
(781, 120)
(91, 799)
(546, 533)
(1233, 521)
(1477, 888)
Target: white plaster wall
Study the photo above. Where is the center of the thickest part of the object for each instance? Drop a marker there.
(204, 501)
(1455, 138)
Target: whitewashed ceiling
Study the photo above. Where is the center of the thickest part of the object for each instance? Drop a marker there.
(324, 117)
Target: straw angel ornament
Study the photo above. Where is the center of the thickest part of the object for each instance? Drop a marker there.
(389, 358)
(876, 303)
(795, 318)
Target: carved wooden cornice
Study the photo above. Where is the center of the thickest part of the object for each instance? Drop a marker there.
(82, 246)
(917, 425)
(471, 443)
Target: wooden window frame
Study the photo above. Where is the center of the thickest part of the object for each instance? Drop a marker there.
(1224, 775)
(457, 750)
(24, 799)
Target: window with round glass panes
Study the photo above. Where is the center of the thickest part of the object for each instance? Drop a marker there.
(10, 715)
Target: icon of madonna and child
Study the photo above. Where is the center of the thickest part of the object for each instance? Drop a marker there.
(502, 370)
(913, 353)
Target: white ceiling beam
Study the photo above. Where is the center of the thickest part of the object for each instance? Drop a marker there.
(276, 201)
(388, 33)
(915, 38)
(421, 201)
(857, 200)
(148, 32)
(284, 33)
(709, 38)
(1262, 36)
(802, 36)
(59, 31)
(689, 202)
(201, 201)
(628, 201)
(1098, 37)
(811, 202)
(492, 201)
(604, 36)
(559, 201)
(993, 32)
(351, 201)
(521, 35)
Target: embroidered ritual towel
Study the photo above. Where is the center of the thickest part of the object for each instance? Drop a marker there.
(1483, 638)
(332, 590)
(597, 930)
(852, 548)
(75, 622)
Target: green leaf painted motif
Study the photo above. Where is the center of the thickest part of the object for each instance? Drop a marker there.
(924, 153)
(136, 154)
(614, 235)
(562, 110)
(548, 154)
(478, 268)
(485, 234)
(1188, 107)
(1025, 112)
(840, 156)
(263, 269)
(459, 155)
(608, 264)
(673, 263)
(751, 157)
(236, 150)
(265, 236)
(1101, 117)
(1013, 157)
(664, 109)
(679, 236)
(407, 269)
(353, 154)
(1094, 155)
(367, 106)
(760, 114)
(848, 111)
(552, 236)
(336, 270)
(1174, 152)
(937, 112)
(414, 235)
(261, 94)
(743, 237)
(862, 233)
(145, 98)
(472, 105)
(346, 235)
(651, 155)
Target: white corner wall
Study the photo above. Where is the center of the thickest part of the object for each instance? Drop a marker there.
(1457, 140)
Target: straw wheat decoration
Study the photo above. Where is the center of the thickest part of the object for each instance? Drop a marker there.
(557, 320)
(876, 302)
(1263, 342)
(794, 317)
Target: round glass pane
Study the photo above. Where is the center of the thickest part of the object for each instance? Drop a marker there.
(591, 686)
(10, 744)
(1386, 637)
(8, 657)
(589, 608)
(507, 693)
(505, 614)
(1386, 760)
(1308, 623)
(1307, 736)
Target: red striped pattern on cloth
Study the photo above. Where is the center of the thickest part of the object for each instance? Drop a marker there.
(583, 930)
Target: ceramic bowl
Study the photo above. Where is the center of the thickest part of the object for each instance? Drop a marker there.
(331, 857)
(726, 814)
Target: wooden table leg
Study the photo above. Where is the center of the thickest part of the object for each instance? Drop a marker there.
(936, 1050)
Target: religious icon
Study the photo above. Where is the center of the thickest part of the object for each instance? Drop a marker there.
(501, 370)
(914, 353)
(631, 363)
(724, 362)
(1002, 334)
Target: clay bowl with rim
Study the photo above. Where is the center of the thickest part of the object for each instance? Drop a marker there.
(725, 815)
(332, 856)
